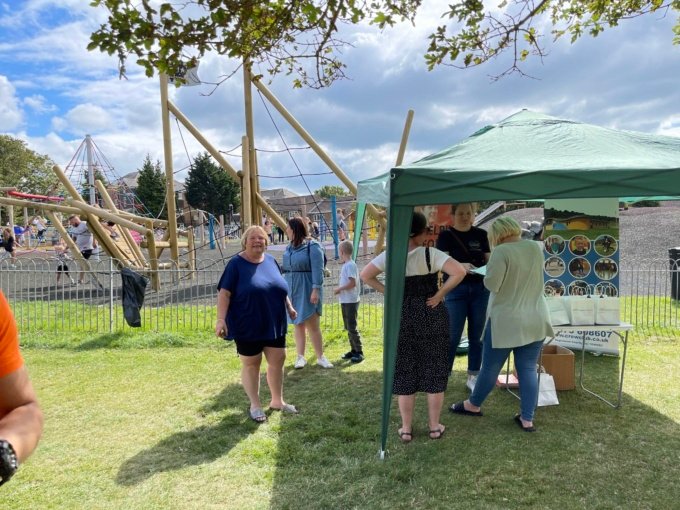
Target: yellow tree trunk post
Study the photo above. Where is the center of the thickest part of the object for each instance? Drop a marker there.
(153, 260)
(192, 252)
(169, 173)
(246, 210)
(315, 146)
(380, 242)
(236, 176)
(75, 252)
(124, 232)
(92, 214)
(250, 133)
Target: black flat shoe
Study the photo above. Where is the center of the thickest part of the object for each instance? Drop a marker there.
(459, 408)
(518, 421)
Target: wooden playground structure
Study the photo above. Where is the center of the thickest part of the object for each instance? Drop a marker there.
(124, 249)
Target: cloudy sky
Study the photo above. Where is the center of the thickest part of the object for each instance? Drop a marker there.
(53, 92)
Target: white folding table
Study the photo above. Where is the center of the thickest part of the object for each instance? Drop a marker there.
(621, 330)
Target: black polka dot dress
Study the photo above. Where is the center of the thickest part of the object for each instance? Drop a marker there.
(423, 348)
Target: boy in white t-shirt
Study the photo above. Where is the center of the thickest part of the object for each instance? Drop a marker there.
(348, 291)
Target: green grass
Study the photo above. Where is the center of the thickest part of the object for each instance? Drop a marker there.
(142, 420)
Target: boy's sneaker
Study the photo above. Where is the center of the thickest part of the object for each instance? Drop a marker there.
(348, 355)
(300, 362)
(324, 363)
(358, 357)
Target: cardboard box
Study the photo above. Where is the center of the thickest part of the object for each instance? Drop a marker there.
(559, 362)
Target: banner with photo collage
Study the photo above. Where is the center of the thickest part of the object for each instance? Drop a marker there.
(581, 247)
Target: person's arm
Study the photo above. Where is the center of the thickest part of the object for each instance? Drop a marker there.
(456, 273)
(223, 299)
(351, 283)
(292, 312)
(369, 275)
(22, 420)
(495, 271)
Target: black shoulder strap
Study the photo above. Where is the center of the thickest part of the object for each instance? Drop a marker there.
(427, 259)
(459, 242)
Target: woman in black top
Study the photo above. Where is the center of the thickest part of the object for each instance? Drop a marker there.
(468, 245)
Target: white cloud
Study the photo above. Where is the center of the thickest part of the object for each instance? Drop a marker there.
(670, 126)
(38, 104)
(59, 124)
(11, 115)
(625, 78)
(88, 118)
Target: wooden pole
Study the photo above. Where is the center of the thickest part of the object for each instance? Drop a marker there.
(315, 146)
(246, 210)
(250, 133)
(380, 241)
(153, 260)
(169, 173)
(192, 252)
(124, 232)
(73, 248)
(234, 174)
(46, 207)
(10, 213)
(93, 214)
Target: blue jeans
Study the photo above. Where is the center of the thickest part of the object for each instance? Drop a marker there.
(493, 360)
(467, 301)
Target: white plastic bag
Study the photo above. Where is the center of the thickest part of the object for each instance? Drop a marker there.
(547, 396)
(581, 310)
(607, 310)
(558, 312)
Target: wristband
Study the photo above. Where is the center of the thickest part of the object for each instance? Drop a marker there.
(8, 461)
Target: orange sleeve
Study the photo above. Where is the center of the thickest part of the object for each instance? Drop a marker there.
(10, 357)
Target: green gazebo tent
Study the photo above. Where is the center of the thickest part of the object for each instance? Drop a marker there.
(528, 156)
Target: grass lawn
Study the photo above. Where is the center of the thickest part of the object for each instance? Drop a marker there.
(144, 420)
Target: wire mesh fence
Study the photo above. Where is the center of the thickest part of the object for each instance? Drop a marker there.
(47, 295)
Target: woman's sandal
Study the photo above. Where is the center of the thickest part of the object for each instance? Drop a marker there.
(287, 409)
(257, 415)
(439, 432)
(406, 437)
(518, 421)
(459, 408)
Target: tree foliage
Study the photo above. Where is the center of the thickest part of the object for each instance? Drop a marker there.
(151, 188)
(300, 37)
(25, 169)
(283, 35)
(329, 191)
(208, 187)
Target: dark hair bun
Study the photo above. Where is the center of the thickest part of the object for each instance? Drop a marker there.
(418, 223)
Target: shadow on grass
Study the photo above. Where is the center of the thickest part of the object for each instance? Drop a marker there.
(101, 342)
(198, 446)
(583, 451)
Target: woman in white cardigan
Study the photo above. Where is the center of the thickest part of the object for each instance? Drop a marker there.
(518, 319)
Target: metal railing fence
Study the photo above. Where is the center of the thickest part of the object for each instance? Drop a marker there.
(186, 299)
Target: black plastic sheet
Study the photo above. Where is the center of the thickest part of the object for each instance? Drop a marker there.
(134, 287)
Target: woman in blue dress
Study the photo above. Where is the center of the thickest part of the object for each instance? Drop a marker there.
(303, 270)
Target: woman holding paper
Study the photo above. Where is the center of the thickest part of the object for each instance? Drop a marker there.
(519, 319)
(468, 245)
